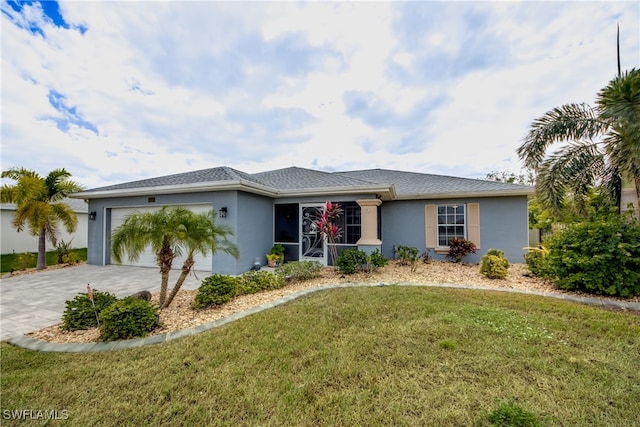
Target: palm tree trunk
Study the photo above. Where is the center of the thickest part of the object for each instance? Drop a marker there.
(164, 283)
(42, 250)
(186, 269)
(637, 183)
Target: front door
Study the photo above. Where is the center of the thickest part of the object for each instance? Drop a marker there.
(312, 245)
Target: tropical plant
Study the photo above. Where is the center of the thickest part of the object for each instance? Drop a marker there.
(328, 229)
(171, 231)
(460, 248)
(39, 204)
(597, 145)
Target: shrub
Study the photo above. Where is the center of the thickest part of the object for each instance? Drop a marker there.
(63, 249)
(216, 289)
(300, 270)
(70, 258)
(352, 260)
(408, 255)
(79, 312)
(460, 248)
(128, 318)
(377, 259)
(494, 265)
(536, 260)
(24, 261)
(255, 281)
(596, 257)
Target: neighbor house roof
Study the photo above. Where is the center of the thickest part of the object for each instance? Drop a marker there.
(294, 181)
(78, 206)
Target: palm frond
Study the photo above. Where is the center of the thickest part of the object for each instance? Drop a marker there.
(571, 122)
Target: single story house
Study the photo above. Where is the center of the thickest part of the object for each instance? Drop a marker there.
(382, 209)
(13, 241)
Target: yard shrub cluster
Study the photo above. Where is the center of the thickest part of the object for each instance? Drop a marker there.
(299, 270)
(460, 248)
(595, 257)
(535, 260)
(354, 260)
(80, 313)
(216, 289)
(494, 265)
(255, 281)
(128, 318)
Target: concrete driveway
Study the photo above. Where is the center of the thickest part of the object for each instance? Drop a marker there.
(33, 301)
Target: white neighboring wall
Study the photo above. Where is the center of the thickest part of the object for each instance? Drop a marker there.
(628, 197)
(13, 241)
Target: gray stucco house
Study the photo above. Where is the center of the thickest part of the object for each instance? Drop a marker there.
(382, 209)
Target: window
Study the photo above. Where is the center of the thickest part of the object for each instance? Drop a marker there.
(445, 222)
(350, 223)
(451, 223)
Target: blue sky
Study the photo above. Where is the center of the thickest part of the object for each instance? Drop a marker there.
(119, 91)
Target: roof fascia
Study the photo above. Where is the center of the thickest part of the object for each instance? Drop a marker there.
(470, 194)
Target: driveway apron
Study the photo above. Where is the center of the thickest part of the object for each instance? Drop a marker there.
(31, 302)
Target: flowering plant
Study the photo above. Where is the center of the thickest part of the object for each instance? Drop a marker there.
(328, 229)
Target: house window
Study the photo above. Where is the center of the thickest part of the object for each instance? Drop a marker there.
(350, 222)
(451, 223)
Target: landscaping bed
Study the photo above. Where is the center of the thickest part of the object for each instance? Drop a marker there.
(180, 315)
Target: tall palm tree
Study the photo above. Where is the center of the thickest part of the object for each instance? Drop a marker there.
(596, 146)
(39, 205)
(170, 231)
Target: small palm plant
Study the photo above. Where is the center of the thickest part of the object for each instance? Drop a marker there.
(171, 231)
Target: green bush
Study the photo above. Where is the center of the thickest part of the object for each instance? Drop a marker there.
(255, 281)
(300, 270)
(408, 255)
(377, 259)
(63, 249)
(25, 260)
(353, 259)
(494, 266)
(216, 289)
(460, 248)
(596, 257)
(536, 260)
(79, 312)
(128, 318)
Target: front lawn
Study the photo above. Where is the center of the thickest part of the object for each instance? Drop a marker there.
(356, 356)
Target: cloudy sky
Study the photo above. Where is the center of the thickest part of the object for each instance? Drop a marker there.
(119, 91)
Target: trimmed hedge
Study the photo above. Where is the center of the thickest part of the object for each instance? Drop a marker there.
(494, 265)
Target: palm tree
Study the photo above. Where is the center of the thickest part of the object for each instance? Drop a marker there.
(597, 146)
(39, 205)
(170, 231)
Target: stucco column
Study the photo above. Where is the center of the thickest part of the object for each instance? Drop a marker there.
(369, 226)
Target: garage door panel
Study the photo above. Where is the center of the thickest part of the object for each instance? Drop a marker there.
(148, 257)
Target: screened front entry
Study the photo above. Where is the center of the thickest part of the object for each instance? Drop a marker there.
(295, 228)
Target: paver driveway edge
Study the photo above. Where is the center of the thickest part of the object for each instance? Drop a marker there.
(38, 345)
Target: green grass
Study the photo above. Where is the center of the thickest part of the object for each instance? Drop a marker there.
(358, 356)
(11, 261)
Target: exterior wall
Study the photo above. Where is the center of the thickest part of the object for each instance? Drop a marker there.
(503, 225)
(254, 229)
(13, 241)
(98, 250)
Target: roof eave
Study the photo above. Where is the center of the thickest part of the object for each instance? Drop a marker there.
(241, 185)
(385, 192)
(468, 194)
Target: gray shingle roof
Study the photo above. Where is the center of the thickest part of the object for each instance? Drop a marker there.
(295, 178)
(218, 174)
(417, 184)
(399, 184)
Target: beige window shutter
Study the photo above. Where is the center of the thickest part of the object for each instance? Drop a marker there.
(473, 223)
(431, 225)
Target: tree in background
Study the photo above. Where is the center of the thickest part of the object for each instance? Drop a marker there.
(595, 147)
(170, 231)
(39, 205)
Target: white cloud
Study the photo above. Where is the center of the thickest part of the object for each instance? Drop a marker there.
(442, 87)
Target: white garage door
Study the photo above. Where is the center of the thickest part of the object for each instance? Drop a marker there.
(148, 258)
